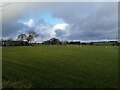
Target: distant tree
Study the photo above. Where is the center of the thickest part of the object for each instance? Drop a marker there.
(21, 37)
(30, 36)
(54, 41)
(9, 39)
(83, 43)
(75, 42)
(91, 43)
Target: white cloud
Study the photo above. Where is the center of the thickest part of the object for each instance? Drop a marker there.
(47, 31)
(30, 23)
(82, 21)
(62, 26)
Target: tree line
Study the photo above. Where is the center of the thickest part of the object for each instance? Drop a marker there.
(55, 41)
(23, 39)
(27, 38)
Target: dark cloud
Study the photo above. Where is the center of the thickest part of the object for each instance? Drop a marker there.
(11, 28)
(86, 20)
(98, 21)
(60, 33)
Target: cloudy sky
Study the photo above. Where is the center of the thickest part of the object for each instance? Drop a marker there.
(85, 21)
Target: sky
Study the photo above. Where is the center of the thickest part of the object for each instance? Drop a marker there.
(84, 21)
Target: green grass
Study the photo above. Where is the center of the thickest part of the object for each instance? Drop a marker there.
(60, 66)
(0, 67)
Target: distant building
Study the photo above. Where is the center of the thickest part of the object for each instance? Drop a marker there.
(13, 43)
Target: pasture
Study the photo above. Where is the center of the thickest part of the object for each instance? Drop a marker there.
(45, 66)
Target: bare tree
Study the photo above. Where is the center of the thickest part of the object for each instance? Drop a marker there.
(31, 35)
(21, 37)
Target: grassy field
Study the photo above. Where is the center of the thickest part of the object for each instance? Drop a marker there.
(0, 67)
(60, 66)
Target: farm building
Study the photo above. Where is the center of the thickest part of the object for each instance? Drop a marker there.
(13, 43)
